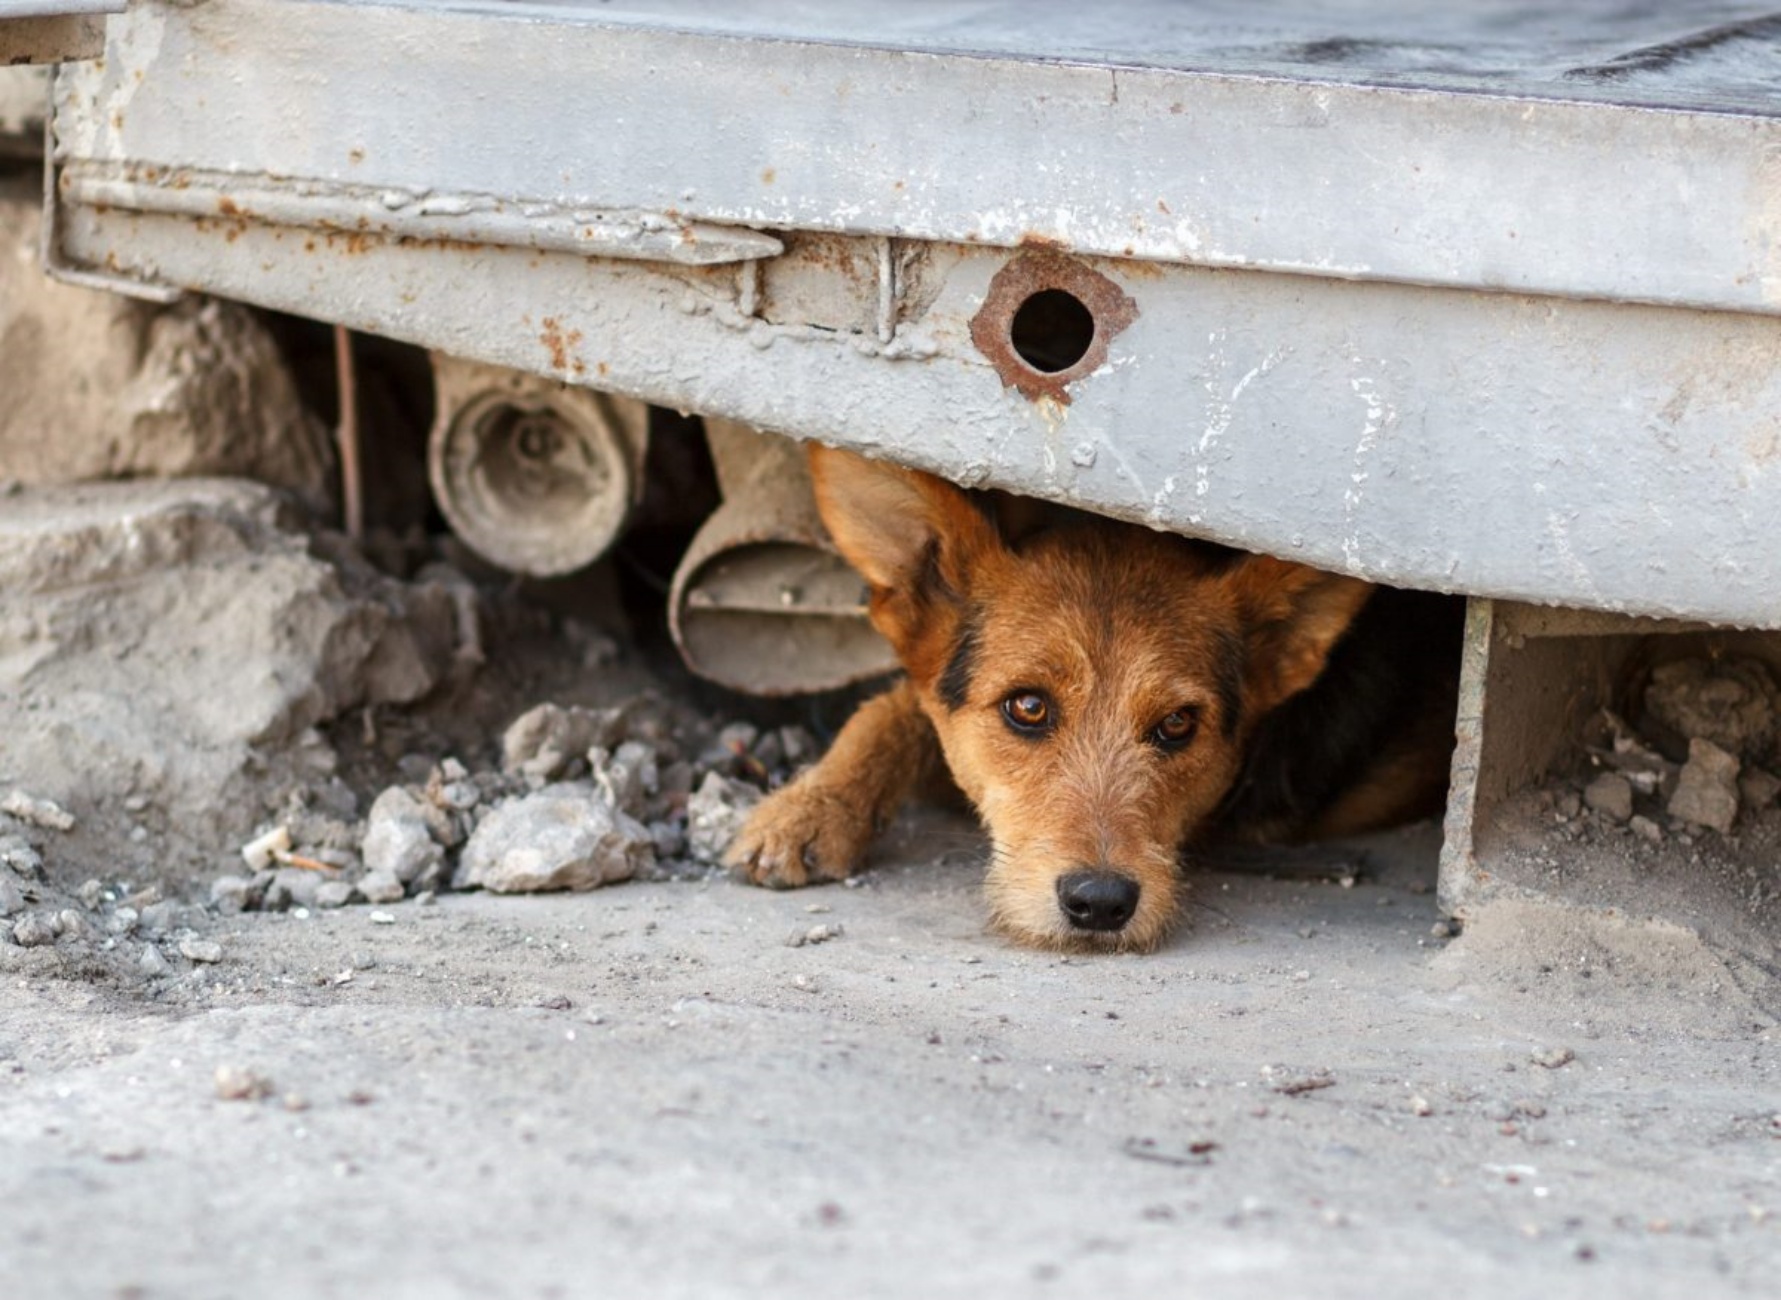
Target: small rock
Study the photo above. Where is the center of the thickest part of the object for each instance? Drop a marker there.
(815, 934)
(460, 796)
(153, 963)
(47, 813)
(204, 952)
(398, 838)
(299, 885)
(262, 851)
(1569, 805)
(12, 898)
(381, 918)
(159, 917)
(235, 1083)
(274, 895)
(91, 893)
(17, 854)
(1707, 793)
(1610, 794)
(715, 814)
(627, 777)
(70, 924)
(229, 894)
(542, 742)
(333, 893)
(670, 840)
(381, 887)
(34, 930)
(563, 837)
(1646, 829)
(1554, 1058)
(1758, 788)
(677, 781)
(798, 745)
(1420, 1106)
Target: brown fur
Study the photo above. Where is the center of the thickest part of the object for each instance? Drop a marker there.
(1116, 629)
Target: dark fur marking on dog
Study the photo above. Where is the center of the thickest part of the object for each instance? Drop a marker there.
(1307, 752)
(1232, 660)
(954, 686)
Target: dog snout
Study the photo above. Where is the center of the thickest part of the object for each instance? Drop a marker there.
(1097, 899)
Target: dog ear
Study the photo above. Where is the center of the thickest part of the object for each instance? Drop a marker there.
(1294, 616)
(914, 538)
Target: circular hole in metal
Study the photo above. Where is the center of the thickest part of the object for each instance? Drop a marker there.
(1052, 330)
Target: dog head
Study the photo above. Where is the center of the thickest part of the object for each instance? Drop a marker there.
(1092, 685)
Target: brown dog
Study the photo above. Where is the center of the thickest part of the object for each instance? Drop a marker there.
(1105, 694)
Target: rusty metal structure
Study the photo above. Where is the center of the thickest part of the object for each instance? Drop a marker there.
(1477, 298)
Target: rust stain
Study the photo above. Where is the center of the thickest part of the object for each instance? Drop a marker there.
(601, 367)
(1162, 207)
(356, 155)
(561, 344)
(1033, 239)
(769, 176)
(1033, 272)
(228, 207)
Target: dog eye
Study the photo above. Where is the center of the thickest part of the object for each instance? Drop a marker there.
(1027, 711)
(1175, 730)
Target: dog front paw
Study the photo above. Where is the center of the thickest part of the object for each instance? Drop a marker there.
(801, 835)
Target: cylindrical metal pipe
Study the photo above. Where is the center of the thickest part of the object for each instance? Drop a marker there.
(534, 475)
(761, 602)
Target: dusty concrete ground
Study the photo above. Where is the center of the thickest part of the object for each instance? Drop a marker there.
(646, 1090)
(674, 1088)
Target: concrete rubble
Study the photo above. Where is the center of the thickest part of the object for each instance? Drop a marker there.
(1700, 759)
(132, 389)
(165, 646)
(1707, 791)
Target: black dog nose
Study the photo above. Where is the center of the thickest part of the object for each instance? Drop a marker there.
(1097, 900)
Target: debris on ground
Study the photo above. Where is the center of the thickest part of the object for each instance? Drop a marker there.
(1731, 701)
(1707, 789)
(236, 1083)
(566, 836)
(1700, 759)
(45, 813)
(168, 651)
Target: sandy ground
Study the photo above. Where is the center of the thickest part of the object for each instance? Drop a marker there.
(646, 1090)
